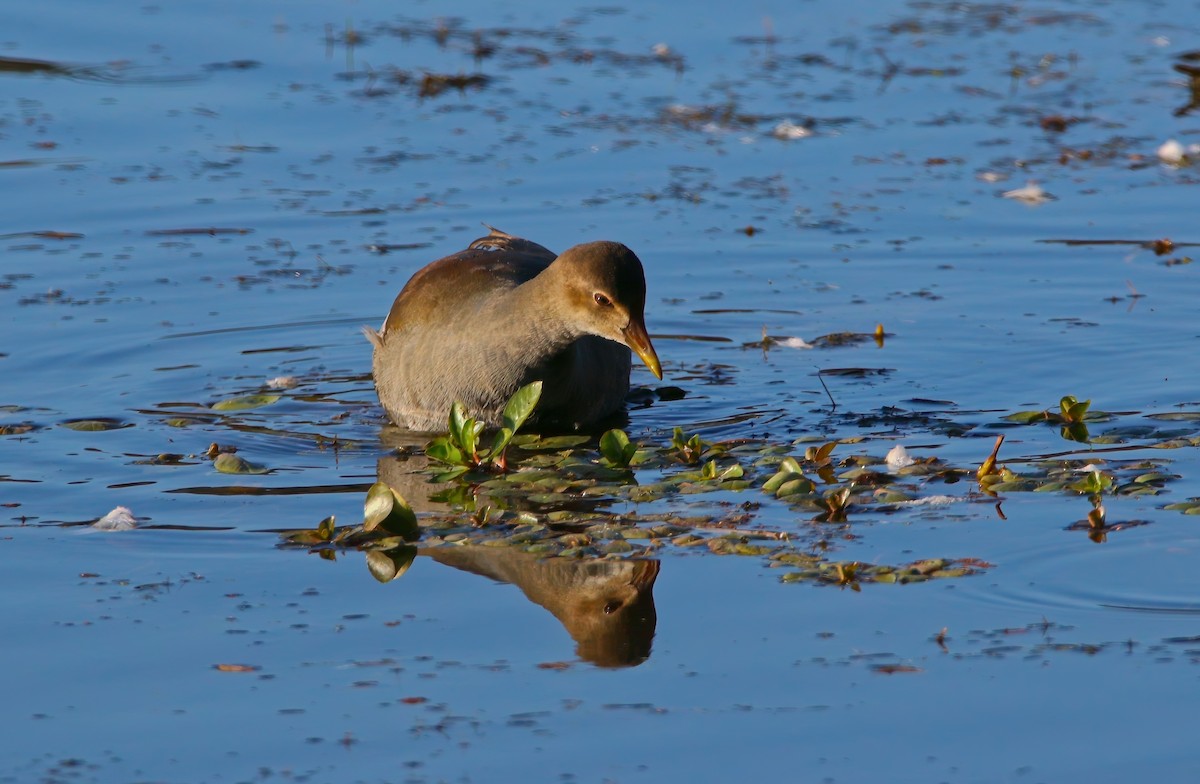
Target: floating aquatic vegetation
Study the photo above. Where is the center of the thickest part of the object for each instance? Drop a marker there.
(460, 449)
(792, 504)
(687, 449)
(853, 574)
(1072, 416)
(585, 536)
(555, 497)
(228, 463)
(433, 85)
(96, 424)
(244, 402)
(616, 448)
(386, 509)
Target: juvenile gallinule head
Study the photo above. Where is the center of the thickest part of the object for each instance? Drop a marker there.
(479, 324)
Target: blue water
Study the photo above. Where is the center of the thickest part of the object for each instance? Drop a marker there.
(880, 217)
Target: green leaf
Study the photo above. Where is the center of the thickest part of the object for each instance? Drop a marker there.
(780, 479)
(689, 449)
(516, 411)
(326, 528)
(443, 451)
(244, 402)
(500, 442)
(1093, 483)
(616, 449)
(734, 471)
(385, 508)
(464, 431)
(791, 465)
(521, 405)
(469, 440)
(797, 484)
(1073, 410)
(1027, 417)
(458, 418)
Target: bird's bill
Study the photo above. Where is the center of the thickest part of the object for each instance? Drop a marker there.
(638, 340)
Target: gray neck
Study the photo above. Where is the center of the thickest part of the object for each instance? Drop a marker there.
(533, 316)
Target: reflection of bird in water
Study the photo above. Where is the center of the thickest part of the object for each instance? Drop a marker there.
(408, 474)
(606, 606)
(1189, 69)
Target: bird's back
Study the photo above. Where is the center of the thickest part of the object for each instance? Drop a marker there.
(488, 266)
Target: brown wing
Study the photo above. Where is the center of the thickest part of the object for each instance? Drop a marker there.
(496, 261)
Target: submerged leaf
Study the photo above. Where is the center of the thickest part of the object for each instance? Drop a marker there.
(95, 425)
(244, 402)
(228, 463)
(535, 443)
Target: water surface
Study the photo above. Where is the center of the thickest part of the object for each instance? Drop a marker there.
(301, 135)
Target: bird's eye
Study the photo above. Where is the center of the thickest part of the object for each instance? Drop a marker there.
(602, 300)
(611, 607)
